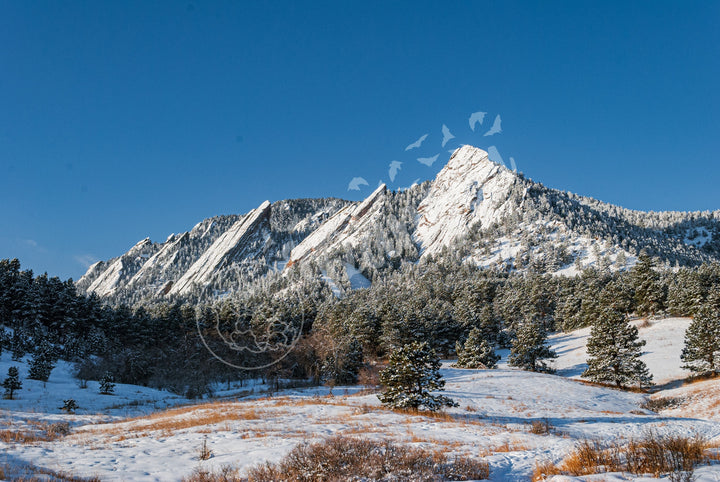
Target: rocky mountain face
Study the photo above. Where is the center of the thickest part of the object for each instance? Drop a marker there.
(475, 211)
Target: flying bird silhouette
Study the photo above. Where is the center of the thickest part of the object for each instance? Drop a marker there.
(394, 168)
(495, 129)
(417, 143)
(428, 161)
(475, 119)
(495, 156)
(512, 164)
(356, 183)
(447, 135)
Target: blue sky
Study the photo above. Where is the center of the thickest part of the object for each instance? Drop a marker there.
(121, 120)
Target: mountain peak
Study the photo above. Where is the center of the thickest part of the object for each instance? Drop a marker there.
(470, 189)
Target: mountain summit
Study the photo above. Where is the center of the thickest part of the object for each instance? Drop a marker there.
(475, 211)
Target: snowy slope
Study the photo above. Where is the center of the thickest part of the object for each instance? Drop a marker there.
(165, 257)
(346, 227)
(470, 189)
(492, 422)
(664, 343)
(231, 243)
(123, 267)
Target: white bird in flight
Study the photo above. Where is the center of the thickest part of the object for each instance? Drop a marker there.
(475, 119)
(395, 166)
(495, 129)
(356, 183)
(428, 161)
(447, 135)
(417, 143)
(495, 156)
(414, 183)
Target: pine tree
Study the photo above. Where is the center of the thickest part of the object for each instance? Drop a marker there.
(701, 353)
(412, 373)
(529, 348)
(107, 384)
(614, 350)
(12, 382)
(650, 291)
(476, 352)
(42, 362)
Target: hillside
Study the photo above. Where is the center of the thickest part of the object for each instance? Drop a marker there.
(142, 434)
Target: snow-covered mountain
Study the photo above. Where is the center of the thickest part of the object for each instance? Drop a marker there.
(471, 189)
(474, 211)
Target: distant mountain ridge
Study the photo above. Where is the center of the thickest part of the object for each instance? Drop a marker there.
(474, 211)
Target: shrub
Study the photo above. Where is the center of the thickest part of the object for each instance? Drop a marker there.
(675, 455)
(107, 384)
(541, 427)
(346, 458)
(69, 406)
(225, 474)
(205, 452)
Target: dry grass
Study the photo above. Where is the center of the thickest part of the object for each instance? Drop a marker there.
(674, 455)
(505, 447)
(43, 432)
(31, 473)
(340, 458)
(170, 421)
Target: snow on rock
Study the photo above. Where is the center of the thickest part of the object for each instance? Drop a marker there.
(106, 282)
(469, 189)
(163, 258)
(345, 227)
(357, 280)
(230, 244)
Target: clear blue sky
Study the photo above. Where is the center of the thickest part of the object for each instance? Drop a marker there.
(121, 120)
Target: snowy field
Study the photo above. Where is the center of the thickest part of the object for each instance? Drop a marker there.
(144, 434)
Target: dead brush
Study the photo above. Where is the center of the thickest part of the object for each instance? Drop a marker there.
(541, 427)
(224, 474)
(170, 421)
(43, 432)
(345, 458)
(675, 455)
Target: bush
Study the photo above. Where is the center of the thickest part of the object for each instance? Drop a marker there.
(107, 384)
(69, 406)
(675, 455)
(541, 427)
(346, 458)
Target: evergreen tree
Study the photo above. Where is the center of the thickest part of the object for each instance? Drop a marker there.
(412, 373)
(650, 291)
(12, 382)
(42, 362)
(17, 345)
(476, 352)
(529, 347)
(614, 350)
(701, 353)
(107, 384)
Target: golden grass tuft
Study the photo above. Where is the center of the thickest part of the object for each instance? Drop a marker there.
(675, 455)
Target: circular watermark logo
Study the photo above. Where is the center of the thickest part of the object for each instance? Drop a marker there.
(253, 339)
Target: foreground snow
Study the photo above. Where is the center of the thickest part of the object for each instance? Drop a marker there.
(493, 419)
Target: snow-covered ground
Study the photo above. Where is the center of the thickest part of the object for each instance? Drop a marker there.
(136, 434)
